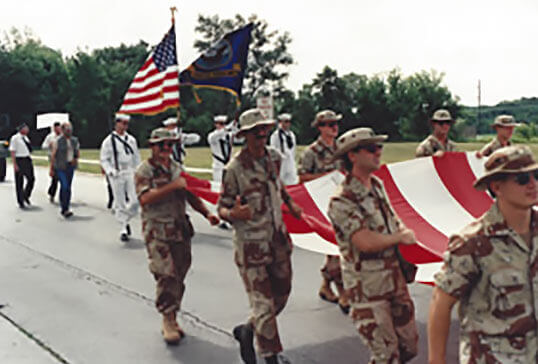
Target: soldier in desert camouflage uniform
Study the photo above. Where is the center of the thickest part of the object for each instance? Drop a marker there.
(437, 143)
(504, 126)
(374, 273)
(315, 162)
(166, 227)
(251, 199)
(491, 268)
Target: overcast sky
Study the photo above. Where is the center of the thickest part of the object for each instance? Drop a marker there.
(494, 41)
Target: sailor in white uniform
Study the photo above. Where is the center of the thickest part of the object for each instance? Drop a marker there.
(119, 159)
(283, 139)
(178, 149)
(220, 141)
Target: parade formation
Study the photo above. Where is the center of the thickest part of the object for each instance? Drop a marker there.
(489, 267)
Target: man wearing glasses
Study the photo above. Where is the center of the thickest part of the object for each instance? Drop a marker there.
(368, 233)
(283, 140)
(166, 226)
(490, 268)
(437, 143)
(119, 158)
(316, 161)
(251, 199)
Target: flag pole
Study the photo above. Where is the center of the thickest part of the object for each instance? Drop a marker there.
(173, 10)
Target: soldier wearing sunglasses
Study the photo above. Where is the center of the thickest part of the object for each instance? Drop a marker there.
(316, 161)
(437, 143)
(368, 233)
(166, 226)
(490, 268)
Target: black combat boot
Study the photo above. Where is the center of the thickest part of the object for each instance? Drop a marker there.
(245, 336)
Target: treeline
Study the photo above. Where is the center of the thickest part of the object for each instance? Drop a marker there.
(90, 86)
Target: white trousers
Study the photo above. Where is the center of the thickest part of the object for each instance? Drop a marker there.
(217, 173)
(123, 188)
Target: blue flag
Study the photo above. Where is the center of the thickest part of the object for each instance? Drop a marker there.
(223, 65)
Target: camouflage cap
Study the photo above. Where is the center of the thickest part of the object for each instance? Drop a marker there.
(251, 119)
(325, 116)
(441, 115)
(505, 120)
(161, 134)
(507, 160)
(354, 138)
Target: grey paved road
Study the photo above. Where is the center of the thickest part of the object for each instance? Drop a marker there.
(73, 293)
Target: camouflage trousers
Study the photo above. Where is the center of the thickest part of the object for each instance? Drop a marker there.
(331, 270)
(483, 349)
(268, 288)
(169, 263)
(387, 326)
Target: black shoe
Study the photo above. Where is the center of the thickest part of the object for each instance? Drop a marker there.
(245, 336)
(344, 309)
(128, 228)
(27, 201)
(22, 207)
(67, 214)
(272, 359)
(224, 226)
(124, 237)
(51, 198)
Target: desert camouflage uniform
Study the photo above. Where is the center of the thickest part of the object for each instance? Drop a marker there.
(493, 146)
(431, 144)
(316, 158)
(493, 272)
(381, 306)
(167, 232)
(262, 244)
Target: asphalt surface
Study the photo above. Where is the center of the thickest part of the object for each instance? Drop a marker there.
(71, 292)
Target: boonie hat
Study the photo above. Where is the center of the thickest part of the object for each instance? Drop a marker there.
(325, 116)
(512, 159)
(161, 134)
(251, 119)
(354, 138)
(505, 120)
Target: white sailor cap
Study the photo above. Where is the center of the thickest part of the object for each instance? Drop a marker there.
(220, 119)
(284, 117)
(122, 117)
(170, 121)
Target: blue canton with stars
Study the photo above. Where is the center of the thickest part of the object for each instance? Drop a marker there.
(165, 53)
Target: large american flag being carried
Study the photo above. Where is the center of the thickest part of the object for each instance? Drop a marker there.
(155, 87)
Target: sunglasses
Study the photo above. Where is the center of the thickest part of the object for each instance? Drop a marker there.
(443, 122)
(370, 148)
(330, 124)
(165, 144)
(524, 177)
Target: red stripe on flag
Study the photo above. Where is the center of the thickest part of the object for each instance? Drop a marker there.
(435, 240)
(159, 82)
(166, 104)
(151, 97)
(142, 78)
(458, 178)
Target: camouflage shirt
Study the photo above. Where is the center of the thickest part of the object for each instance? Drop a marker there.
(493, 272)
(353, 208)
(493, 146)
(165, 220)
(256, 182)
(316, 158)
(431, 144)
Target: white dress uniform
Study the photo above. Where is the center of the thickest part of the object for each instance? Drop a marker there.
(220, 141)
(184, 139)
(284, 141)
(119, 159)
(50, 139)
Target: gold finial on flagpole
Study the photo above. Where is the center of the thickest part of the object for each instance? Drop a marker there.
(173, 9)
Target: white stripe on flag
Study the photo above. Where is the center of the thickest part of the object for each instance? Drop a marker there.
(315, 243)
(429, 196)
(476, 164)
(322, 189)
(153, 90)
(152, 103)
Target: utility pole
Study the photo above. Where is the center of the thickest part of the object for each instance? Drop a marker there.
(479, 101)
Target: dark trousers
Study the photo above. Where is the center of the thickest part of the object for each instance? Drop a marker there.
(53, 185)
(26, 170)
(65, 176)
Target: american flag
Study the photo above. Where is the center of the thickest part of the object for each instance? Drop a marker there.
(155, 87)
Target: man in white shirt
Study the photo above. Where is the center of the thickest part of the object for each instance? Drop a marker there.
(220, 141)
(47, 145)
(283, 140)
(178, 149)
(20, 148)
(119, 159)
